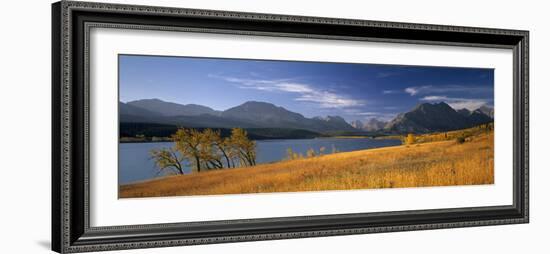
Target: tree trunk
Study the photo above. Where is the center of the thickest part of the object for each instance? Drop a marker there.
(198, 162)
(226, 158)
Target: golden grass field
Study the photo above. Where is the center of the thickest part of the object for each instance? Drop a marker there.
(435, 163)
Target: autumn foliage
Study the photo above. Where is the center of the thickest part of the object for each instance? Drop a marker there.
(435, 163)
(206, 150)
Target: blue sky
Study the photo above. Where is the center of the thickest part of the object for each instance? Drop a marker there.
(352, 91)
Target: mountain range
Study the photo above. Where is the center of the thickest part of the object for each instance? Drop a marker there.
(173, 109)
(423, 118)
(372, 124)
(251, 114)
(429, 117)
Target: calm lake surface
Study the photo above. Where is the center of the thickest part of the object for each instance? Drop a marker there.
(135, 165)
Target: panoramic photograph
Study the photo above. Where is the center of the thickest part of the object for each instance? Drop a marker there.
(212, 126)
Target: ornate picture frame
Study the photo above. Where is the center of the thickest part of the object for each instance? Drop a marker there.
(71, 206)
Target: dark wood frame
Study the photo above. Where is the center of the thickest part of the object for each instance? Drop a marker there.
(71, 22)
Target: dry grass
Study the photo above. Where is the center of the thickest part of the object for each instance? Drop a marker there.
(429, 164)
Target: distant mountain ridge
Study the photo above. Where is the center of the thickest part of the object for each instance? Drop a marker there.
(251, 114)
(371, 125)
(172, 109)
(254, 111)
(357, 124)
(487, 111)
(423, 118)
(127, 109)
(429, 117)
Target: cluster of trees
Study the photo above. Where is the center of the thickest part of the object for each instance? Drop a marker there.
(460, 136)
(206, 150)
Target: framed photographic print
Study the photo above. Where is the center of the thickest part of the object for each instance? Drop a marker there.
(181, 126)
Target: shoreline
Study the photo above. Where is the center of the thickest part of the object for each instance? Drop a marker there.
(436, 163)
(261, 163)
(278, 139)
(251, 168)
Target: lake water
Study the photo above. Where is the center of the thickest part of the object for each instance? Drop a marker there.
(135, 163)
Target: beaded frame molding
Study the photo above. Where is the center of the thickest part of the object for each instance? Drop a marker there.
(71, 23)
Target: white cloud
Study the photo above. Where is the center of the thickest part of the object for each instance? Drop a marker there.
(390, 91)
(294, 88)
(458, 103)
(470, 105)
(327, 99)
(377, 115)
(305, 92)
(368, 113)
(414, 90)
(435, 98)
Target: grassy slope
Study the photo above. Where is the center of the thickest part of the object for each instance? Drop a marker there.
(429, 164)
